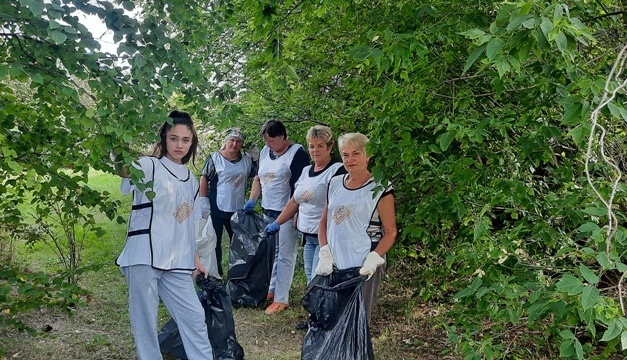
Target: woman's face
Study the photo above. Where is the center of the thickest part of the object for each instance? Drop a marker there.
(178, 142)
(233, 145)
(276, 144)
(319, 151)
(354, 158)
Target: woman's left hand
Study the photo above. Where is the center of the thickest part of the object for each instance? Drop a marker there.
(200, 268)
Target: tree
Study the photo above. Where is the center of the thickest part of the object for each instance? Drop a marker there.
(478, 113)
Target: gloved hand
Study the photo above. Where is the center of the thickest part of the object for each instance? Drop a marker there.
(325, 261)
(372, 262)
(273, 227)
(250, 205)
(205, 208)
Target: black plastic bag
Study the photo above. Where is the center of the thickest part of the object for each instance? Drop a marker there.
(250, 261)
(220, 324)
(338, 321)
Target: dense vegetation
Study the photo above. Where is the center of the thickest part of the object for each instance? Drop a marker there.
(481, 113)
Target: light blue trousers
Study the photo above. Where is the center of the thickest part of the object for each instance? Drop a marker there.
(284, 260)
(176, 289)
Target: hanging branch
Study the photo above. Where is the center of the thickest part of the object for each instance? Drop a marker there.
(608, 96)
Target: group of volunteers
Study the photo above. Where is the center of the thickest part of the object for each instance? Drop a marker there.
(343, 217)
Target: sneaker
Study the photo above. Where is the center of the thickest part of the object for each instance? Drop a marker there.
(270, 296)
(275, 307)
(303, 325)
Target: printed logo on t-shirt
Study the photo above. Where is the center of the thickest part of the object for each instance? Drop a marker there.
(268, 177)
(184, 211)
(340, 214)
(236, 181)
(306, 195)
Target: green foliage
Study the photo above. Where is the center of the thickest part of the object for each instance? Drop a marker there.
(477, 112)
(22, 291)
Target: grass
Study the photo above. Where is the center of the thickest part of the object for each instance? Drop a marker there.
(402, 328)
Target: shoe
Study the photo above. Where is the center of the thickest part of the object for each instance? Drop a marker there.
(275, 307)
(270, 296)
(303, 325)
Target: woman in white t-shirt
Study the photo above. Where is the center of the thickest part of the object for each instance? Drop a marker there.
(159, 258)
(310, 194)
(358, 223)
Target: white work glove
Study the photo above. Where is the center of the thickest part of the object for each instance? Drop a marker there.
(205, 208)
(325, 261)
(372, 262)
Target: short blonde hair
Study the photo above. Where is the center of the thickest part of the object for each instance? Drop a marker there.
(356, 139)
(320, 132)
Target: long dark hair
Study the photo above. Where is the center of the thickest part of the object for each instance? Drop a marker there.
(178, 118)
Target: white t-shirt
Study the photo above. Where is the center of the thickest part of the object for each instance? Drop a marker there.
(311, 194)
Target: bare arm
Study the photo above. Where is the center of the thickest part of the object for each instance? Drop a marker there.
(204, 186)
(288, 212)
(387, 215)
(255, 190)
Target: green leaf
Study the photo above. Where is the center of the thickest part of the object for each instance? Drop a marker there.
(588, 274)
(546, 26)
(517, 21)
(291, 72)
(595, 211)
(570, 285)
(578, 349)
(494, 48)
(473, 57)
(472, 33)
(476, 283)
(35, 6)
(623, 340)
(445, 141)
(139, 61)
(605, 262)
(572, 114)
(562, 42)
(589, 227)
(589, 297)
(37, 78)
(57, 36)
(613, 331)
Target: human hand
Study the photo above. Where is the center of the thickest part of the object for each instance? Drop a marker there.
(205, 208)
(200, 269)
(372, 262)
(273, 227)
(250, 205)
(325, 261)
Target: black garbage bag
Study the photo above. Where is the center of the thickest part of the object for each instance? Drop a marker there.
(219, 319)
(250, 261)
(338, 321)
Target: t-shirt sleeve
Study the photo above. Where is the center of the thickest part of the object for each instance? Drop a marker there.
(209, 170)
(299, 162)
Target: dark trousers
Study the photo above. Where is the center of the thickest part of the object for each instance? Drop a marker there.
(219, 224)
